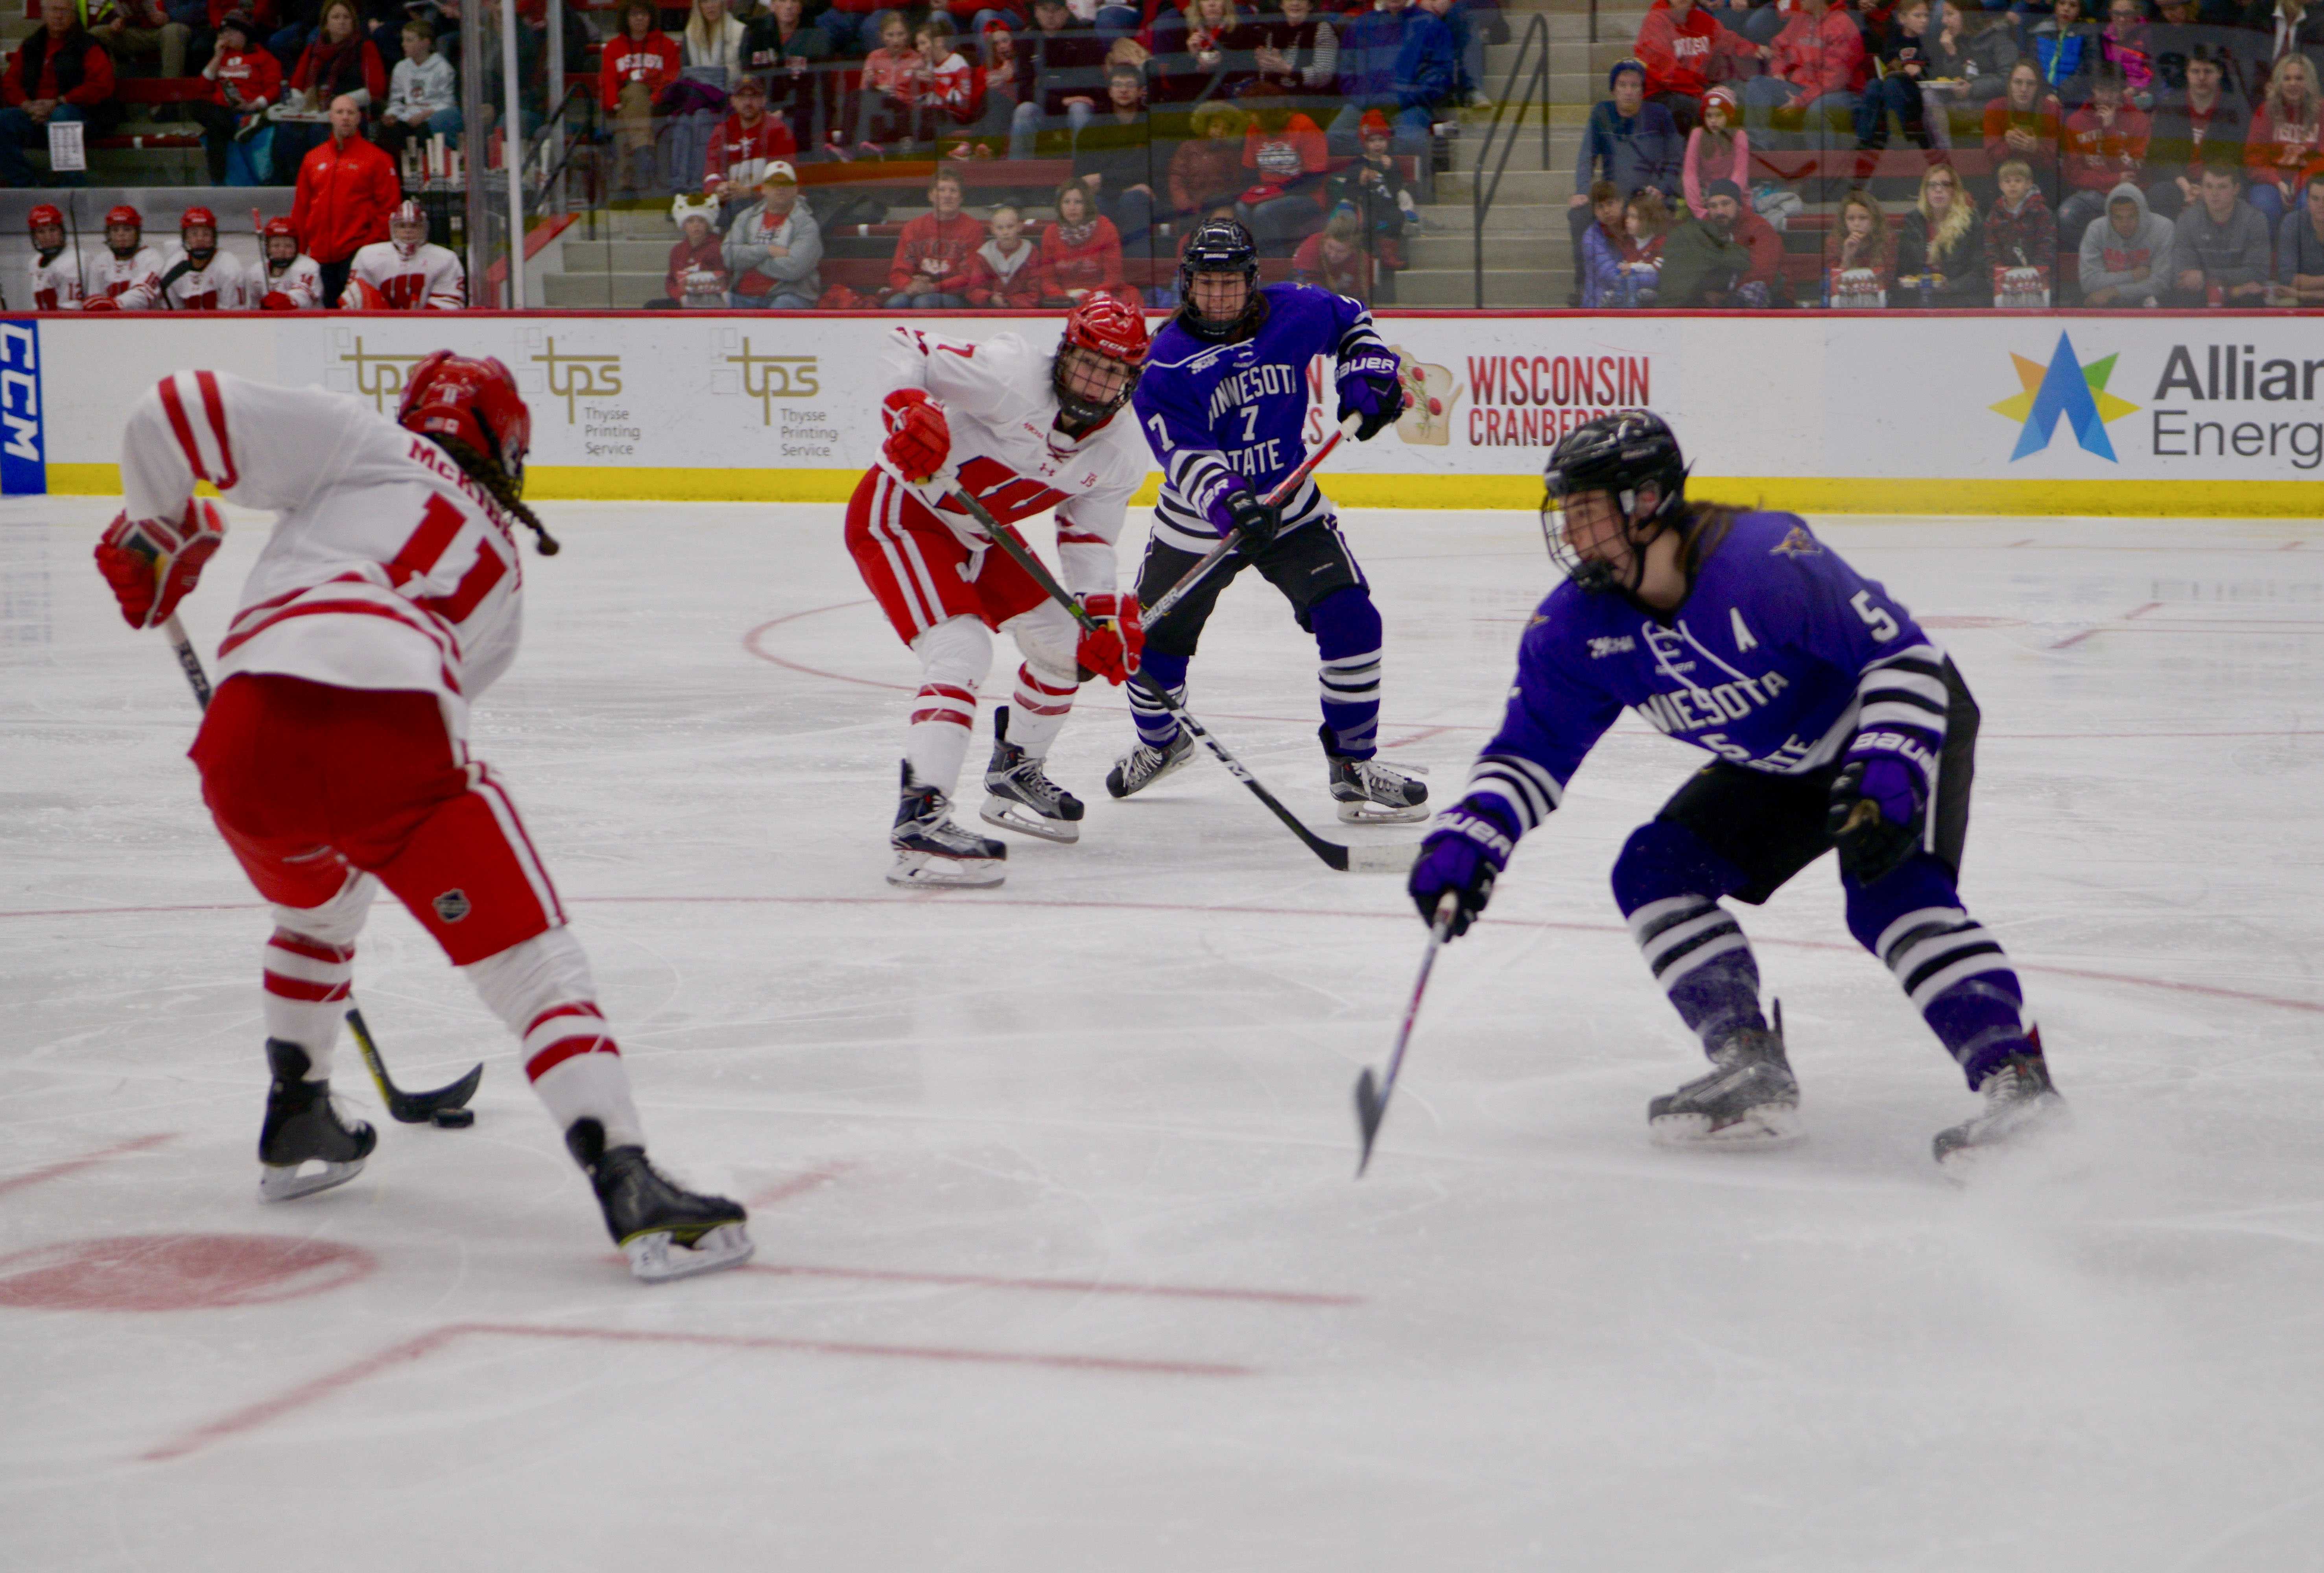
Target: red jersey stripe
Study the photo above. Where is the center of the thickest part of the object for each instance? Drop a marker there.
(215, 403)
(565, 1048)
(183, 428)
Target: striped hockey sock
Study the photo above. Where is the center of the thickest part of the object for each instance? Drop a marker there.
(307, 984)
(544, 990)
(1038, 710)
(1697, 952)
(1156, 725)
(937, 740)
(1956, 974)
(1352, 702)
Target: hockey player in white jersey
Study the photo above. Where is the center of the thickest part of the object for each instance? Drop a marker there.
(404, 272)
(196, 276)
(1021, 429)
(56, 267)
(335, 759)
(291, 281)
(124, 274)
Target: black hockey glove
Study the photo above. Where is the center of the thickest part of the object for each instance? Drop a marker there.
(1255, 522)
(1877, 815)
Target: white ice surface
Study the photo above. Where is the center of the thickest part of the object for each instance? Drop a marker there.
(1001, 1124)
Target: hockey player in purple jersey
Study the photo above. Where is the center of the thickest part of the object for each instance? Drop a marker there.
(1222, 401)
(1835, 721)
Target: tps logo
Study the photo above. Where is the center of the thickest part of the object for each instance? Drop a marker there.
(2064, 389)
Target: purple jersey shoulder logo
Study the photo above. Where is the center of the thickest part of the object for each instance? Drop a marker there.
(1799, 543)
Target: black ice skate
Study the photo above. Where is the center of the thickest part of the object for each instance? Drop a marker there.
(302, 1128)
(1020, 796)
(665, 1232)
(2021, 1107)
(1144, 764)
(930, 850)
(1370, 793)
(1750, 1099)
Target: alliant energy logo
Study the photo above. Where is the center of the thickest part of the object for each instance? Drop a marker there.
(2064, 389)
(1532, 401)
(2211, 380)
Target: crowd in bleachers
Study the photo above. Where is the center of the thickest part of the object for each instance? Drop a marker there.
(2170, 156)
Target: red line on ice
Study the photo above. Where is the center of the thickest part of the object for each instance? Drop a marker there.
(797, 1184)
(1058, 1285)
(320, 1388)
(70, 1165)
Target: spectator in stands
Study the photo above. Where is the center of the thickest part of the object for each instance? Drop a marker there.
(1861, 244)
(1704, 265)
(952, 95)
(930, 270)
(2103, 143)
(2022, 124)
(1427, 69)
(1081, 253)
(1060, 77)
(244, 81)
(783, 51)
(1940, 246)
(139, 30)
(714, 41)
(1993, 52)
(887, 91)
(1333, 258)
(1949, 78)
(1645, 224)
(2065, 46)
(59, 73)
(638, 63)
(1605, 246)
(1375, 188)
(2286, 30)
(1815, 68)
(773, 250)
(1286, 158)
(1206, 49)
(423, 100)
(1004, 274)
(348, 188)
(2020, 231)
(697, 278)
(2219, 253)
(1369, 42)
(1630, 141)
(1685, 49)
(2126, 41)
(996, 75)
(851, 25)
(741, 148)
(1718, 149)
(2285, 142)
(1299, 54)
(2126, 260)
(1206, 170)
(1904, 63)
(1114, 160)
(339, 61)
(2299, 249)
(2203, 119)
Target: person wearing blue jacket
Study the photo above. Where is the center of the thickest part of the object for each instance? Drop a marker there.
(1428, 67)
(1369, 47)
(1630, 141)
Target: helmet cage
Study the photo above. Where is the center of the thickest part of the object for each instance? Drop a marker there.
(1618, 456)
(1220, 245)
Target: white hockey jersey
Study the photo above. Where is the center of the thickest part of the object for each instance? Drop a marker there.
(135, 283)
(56, 283)
(1001, 408)
(388, 568)
(429, 279)
(301, 278)
(223, 286)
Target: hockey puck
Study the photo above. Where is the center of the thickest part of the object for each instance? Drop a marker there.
(454, 1118)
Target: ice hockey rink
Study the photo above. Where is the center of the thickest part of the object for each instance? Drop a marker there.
(1062, 1260)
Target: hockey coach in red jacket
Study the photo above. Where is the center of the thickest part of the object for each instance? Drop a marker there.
(346, 189)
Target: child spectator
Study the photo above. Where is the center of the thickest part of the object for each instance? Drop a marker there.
(996, 77)
(1285, 155)
(2103, 145)
(783, 51)
(894, 77)
(2126, 41)
(1992, 52)
(244, 81)
(1816, 66)
(697, 278)
(1646, 222)
(2284, 144)
(773, 250)
(2126, 260)
(1004, 274)
(1376, 189)
(1718, 149)
(638, 63)
(1630, 141)
(1904, 57)
(1605, 246)
(2219, 253)
(1939, 245)
(2202, 120)
(2020, 232)
(422, 97)
(2022, 124)
(1080, 252)
(2299, 249)
(1206, 170)
(1114, 159)
(743, 145)
(930, 270)
(1859, 257)
(1685, 49)
(2065, 47)
(1333, 258)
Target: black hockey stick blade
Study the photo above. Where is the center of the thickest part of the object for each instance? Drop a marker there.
(1372, 1096)
(410, 1108)
(1370, 1106)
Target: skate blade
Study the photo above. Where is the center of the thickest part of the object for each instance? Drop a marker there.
(660, 1258)
(1762, 1129)
(2039, 1154)
(927, 870)
(287, 1182)
(1011, 815)
(1370, 812)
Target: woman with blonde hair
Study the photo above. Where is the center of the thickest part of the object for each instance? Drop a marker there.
(1860, 258)
(2285, 140)
(1940, 245)
(714, 39)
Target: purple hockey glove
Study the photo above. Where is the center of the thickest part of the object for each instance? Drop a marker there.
(1368, 386)
(1464, 853)
(1879, 803)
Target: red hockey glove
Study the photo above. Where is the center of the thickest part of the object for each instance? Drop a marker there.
(275, 301)
(151, 563)
(918, 440)
(1111, 651)
(100, 303)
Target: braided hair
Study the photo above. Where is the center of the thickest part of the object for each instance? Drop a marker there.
(487, 472)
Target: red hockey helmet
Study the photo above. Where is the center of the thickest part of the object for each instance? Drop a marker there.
(44, 215)
(278, 229)
(195, 216)
(1099, 357)
(125, 213)
(473, 401)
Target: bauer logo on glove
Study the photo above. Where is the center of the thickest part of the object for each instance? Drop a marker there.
(151, 563)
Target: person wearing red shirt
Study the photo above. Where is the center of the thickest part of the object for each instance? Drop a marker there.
(1333, 258)
(1287, 154)
(931, 266)
(739, 151)
(339, 61)
(2105, 143)
(59, 73)
(244, 78)
(2023, 125)
(346, 189)
(638, 65)
(1686, 48)
(1815, 66)
(1080, 252)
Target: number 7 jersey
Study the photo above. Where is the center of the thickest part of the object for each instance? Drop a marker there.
(388, 568)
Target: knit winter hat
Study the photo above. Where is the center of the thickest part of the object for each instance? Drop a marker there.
(1620, 67)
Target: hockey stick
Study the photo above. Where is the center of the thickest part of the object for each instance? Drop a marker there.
(1394, 859)
(1371, 1096)
(1275, 499)
(447, 1105)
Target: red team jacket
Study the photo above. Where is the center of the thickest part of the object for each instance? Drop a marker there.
(96, 73)
(1818, 57)
(654, 62)
(255, 74)
(1678, 56)
(739, 152)
(2098, 158)
(346, 192)
(928, 239)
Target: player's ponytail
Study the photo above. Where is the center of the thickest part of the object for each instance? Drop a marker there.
(487, 472)
(1704, 525)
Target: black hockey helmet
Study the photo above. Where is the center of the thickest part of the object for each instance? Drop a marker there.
(1620, 455)
(1219, 245)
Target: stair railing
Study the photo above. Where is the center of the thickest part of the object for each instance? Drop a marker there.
(1532, 68)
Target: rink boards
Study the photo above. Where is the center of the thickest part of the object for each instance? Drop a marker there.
(2151, 413)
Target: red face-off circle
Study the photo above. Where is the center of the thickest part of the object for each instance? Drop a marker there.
(176, 1272)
